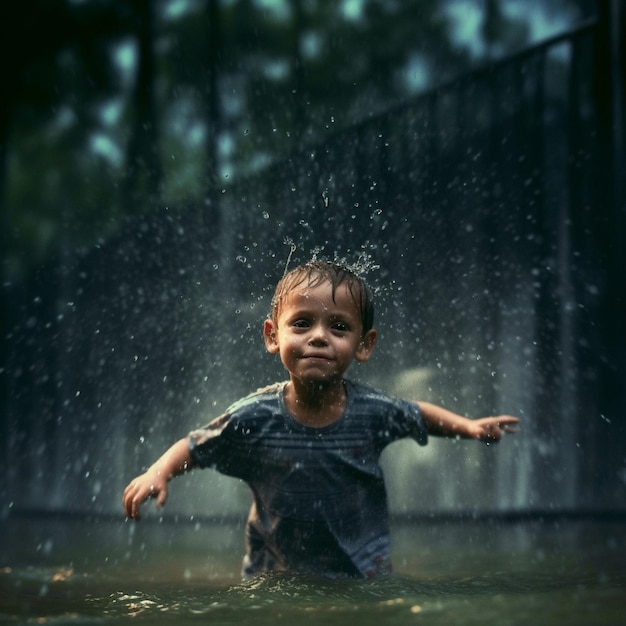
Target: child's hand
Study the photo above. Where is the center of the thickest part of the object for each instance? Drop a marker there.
(153, 484)
(148, 485)
(491, 429)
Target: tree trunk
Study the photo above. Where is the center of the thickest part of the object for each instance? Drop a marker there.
(142, 185)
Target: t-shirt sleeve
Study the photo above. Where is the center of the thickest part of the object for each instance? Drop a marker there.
(208, 445)
(229, 443)
(405, 420)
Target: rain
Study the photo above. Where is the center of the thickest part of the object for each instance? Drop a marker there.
(163, 164)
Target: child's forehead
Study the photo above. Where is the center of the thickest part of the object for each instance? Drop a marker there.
(317, 289)
(319, 293)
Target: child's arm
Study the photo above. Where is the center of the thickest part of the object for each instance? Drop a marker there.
(443, 423)
(153, 483)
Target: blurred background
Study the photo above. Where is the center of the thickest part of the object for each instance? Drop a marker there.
(160, 161)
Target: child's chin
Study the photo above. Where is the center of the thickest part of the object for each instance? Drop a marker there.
(321, 379)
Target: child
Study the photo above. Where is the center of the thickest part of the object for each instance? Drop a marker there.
(309, 447)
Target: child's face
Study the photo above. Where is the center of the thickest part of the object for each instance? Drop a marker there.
(318, 337)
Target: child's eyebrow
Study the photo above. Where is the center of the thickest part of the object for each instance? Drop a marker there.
(341, 316)
(301, 312)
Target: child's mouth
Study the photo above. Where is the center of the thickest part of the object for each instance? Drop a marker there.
(317, 357)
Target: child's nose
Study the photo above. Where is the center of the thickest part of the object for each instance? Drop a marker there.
(318, 335)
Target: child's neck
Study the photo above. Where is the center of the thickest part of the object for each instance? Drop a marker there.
(316, 404)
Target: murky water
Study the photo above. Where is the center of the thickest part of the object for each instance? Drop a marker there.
(95, 572)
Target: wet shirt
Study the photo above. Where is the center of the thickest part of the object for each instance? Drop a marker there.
(319, 501)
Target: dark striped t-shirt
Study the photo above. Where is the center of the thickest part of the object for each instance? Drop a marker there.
(319, 501)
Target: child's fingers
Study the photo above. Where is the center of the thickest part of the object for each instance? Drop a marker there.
(134, 496)
(508, 423)
(137, 493)
(493, 433)
(127, 498)
(158, 492)
(493, 428)
(161, 497)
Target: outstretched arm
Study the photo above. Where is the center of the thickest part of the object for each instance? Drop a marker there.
(153, 483)
(443, 423)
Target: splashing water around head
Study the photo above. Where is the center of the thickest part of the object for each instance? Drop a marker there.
(362, 266)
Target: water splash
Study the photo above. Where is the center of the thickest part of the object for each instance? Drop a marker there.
(292, 248)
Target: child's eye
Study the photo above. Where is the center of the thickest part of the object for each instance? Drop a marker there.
(341, 327)
(300, 324)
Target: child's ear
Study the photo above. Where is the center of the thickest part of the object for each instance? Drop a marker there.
(269, 335)
(366, 347)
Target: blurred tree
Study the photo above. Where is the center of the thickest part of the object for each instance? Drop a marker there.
(143, 171)
(213, 110)
(56, 73)
(112, 106)
(501, 33)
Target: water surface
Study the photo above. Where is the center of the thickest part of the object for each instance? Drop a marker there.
(462, 572)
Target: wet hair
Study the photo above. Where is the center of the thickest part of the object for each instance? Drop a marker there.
(315, 273)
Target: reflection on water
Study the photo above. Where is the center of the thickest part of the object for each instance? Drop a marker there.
(468, 573)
